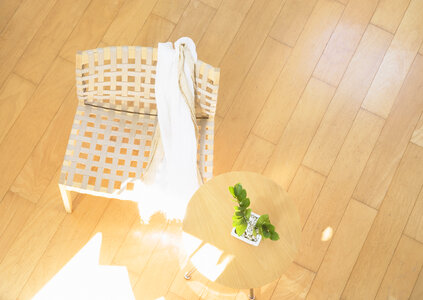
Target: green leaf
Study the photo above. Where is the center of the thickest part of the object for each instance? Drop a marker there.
(274, 236)
(239, 213)
(240, 229)
(237, 208)
(237, 190)
(248, 213)
(266, 234)
(231, 190)
(245, 203)
(263, 219)
(236, 222)
(254, 232)
(242, 195)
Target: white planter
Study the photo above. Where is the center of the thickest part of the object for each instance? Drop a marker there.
(248, 236)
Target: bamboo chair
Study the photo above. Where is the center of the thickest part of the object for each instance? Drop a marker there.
(110, 144)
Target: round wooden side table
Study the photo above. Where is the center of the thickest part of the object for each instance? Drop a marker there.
(242, 266)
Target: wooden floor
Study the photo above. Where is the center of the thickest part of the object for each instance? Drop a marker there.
(323, 96)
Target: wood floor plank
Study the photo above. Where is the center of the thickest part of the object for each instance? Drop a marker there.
(48, 155)
(343, 252)
(212, 3)
(19, 31)
(153, 282)
(304, 189)
(7, 10)
(418, 288)
(30, 244)
(393, 140)
(71, 236)
(414, 226)
(222, 30)
(397, 62)
(155, 30)
(403, 270)
(347, 100)
(114, 225)
(236, 126)
(254, 155)
(294, 284)
(296, 74)
(262, 293)
(90, 30)
(417, 137)
(34, 119)
(14, 95)
(242, 53)
(194, 21)
(291, 20)
(389, 13)
(49, 39)
(216, 291)
(338, 188)
(299, 132)
(188, 289)
(12, 224)
(387, 228)
(128, 22)
(139, 244)
(344, 40)
(170, 9)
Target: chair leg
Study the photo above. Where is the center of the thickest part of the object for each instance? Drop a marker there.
(66, 197)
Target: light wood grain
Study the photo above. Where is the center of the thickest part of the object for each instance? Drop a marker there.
(170, 9)
(305, 189)
(387, 228)
(294, 77)
(344, 40)
(14, 95)
(393, 140)
(194, 21)
(254, 155)
(49, 39)
(236, 126)
(128, 22)
(21, 139)
(342, 252)
(47, 156)
(299, 132)
(244, 270)
(90, 30)
(418, 288)
(403, 270)
(397, 62)
(417, 137)
(338, 188)
(291, 20)
(389, 14)
(347, 101)
(20, 29)
(189, 289)
(231, 34)
(23, 255)
(73, 233)
(139, 244)
(7, 9)
(222, 30)
(18, 210)
(155, 30)
(244, 49)
(166, 256)
(294, 284)
(414, 226)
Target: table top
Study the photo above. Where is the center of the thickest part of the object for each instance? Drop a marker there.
(225, 259)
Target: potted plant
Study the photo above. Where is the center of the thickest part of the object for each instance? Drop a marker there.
(248, 226)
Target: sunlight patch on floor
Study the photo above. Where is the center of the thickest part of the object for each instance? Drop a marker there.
(84, 278)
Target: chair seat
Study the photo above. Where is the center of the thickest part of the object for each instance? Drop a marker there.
(109, 150)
